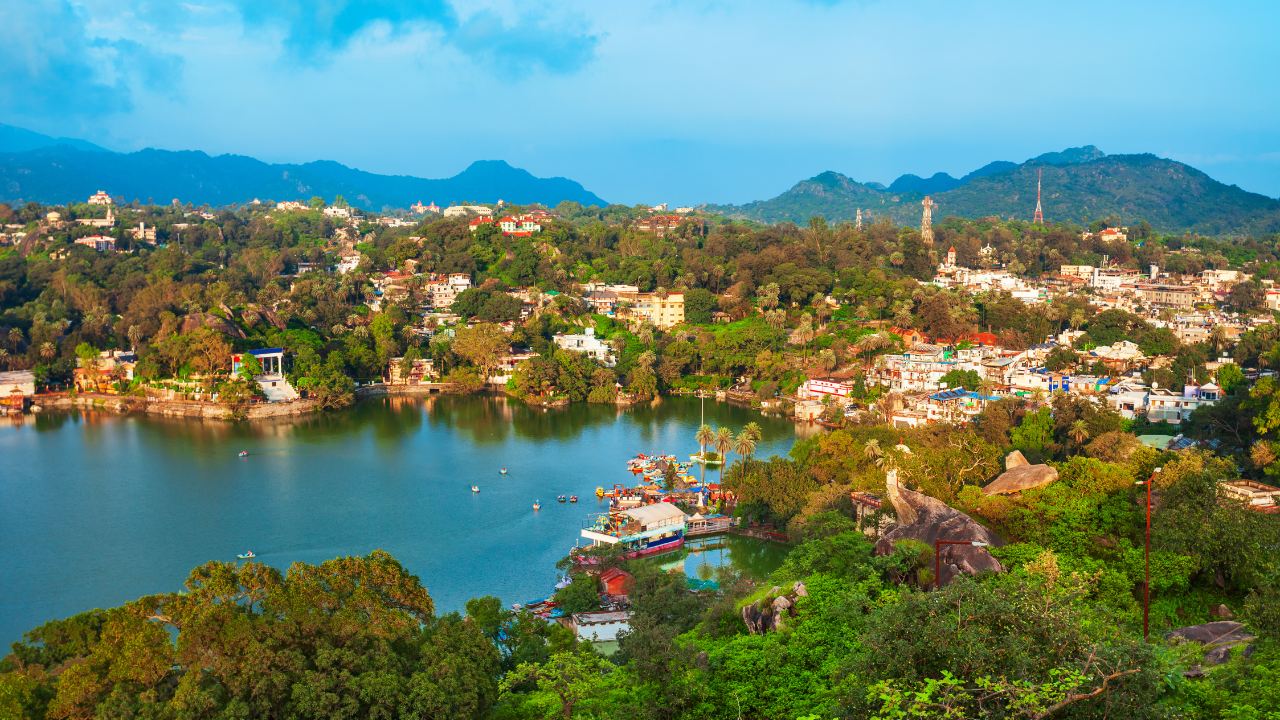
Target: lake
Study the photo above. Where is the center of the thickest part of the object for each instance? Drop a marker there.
(97, 509)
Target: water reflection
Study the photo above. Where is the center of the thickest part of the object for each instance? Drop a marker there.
(108, 506)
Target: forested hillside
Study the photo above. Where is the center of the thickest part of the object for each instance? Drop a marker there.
(1170, 196)
(62, 174)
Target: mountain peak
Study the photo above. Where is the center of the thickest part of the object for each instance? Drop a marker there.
(1070, 156)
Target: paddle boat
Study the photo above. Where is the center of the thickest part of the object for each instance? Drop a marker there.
(503, 471)
(244, 453)
(560, 498)
(599, 491)
(247, 556)
(536, 506)
(573, 498)
(475, 488)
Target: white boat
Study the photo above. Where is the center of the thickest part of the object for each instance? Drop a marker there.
(475, 488)
(503, 471)
(247, 556)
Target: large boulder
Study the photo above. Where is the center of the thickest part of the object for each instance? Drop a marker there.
(195, 321)
(267, 314)
(1015, 459)
(1019, 478)
(928, 520)
(1217, 637)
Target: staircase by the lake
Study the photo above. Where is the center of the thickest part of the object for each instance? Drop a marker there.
(276, 388)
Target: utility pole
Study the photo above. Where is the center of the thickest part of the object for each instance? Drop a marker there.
(1146, 585)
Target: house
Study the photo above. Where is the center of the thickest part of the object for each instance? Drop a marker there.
(809, 410)
(1258, 495)
(337, 212)
(955, 406)
(1168, 406)
(16, 386)
(101, 243)
(661, 225)
(421, 371)
(108, 221)
(616, 581)
(143, 233)
(465, 210)
(100, 198)
(588, 343)
(423, 209)
(292, 205)
(813, 388)
(661, 312)
(601, 626)
(1179, 296)
(909, 336)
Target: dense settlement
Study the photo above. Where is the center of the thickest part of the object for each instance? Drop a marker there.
(1042, 485)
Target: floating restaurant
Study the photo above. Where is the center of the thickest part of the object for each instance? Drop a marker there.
(643, 530)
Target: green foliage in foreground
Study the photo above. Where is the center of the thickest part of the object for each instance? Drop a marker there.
(1058, 635)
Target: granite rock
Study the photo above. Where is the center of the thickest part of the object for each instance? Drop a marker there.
(1021, 478)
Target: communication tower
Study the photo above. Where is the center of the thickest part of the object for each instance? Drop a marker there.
(1039, 218)
(926, 224)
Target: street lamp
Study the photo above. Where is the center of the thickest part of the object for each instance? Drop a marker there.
(937, 557)
(1146, 585)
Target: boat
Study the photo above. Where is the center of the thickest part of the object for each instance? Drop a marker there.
(599, 491)
(573, 498)
(247, 556)
(536, 506)
(503, 471)
(560, 498)
(475, 488)
(244, 453)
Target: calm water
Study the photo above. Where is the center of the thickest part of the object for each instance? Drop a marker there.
(98, 509)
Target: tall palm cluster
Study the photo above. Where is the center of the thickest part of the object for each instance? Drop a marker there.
(724, 442)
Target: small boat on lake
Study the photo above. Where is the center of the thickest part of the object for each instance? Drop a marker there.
(599, 491)
(475, 488)
(503, 471)
(536, 506)
(247, 556)
(244, 453)
(573, 498)
(560, 498)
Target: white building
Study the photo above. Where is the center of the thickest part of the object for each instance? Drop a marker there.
(601, 626)
(588, 343)
(465, 210)
(101, 198)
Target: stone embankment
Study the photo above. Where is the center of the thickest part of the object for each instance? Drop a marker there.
(170, 408)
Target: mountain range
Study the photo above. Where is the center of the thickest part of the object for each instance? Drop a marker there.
(1078, 185)
(60, 170)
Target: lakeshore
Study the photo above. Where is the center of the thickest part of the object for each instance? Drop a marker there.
(107, 506)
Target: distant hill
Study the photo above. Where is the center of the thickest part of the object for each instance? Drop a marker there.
(16, 139)
(1080, 185)
(942, 182)
(61, 173)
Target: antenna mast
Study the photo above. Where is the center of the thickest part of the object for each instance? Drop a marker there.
(1039, 218)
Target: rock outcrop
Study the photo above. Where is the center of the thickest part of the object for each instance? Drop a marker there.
(1217, 637)
(1021, 478)
(766, 615)
(928, 520)
(1015, 459)
(195, 321)
(268, 315)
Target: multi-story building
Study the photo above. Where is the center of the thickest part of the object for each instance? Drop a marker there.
(588, 343)
(1179, 296)
(1168, 406)
(101, 198)
(661, 312)
(101, 243)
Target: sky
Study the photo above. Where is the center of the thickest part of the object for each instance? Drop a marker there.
(656, 101)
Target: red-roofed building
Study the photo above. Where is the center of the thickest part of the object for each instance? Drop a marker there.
(909, 336)
(981, 338)
(616, 581)
(482, 220)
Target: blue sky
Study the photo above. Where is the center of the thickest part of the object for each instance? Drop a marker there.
(663, 101)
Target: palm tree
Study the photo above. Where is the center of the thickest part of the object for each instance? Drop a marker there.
(873, 452)
(871, 343)
(1218, 336)
(823, 310)
(15, 338)
(805, 332)
(744, 445)
(1079, 433)
(862, 312)
(724, 443)
(753, 429)
(646, 335)
(48, 350)
(705, 437)
(4, 357)
(647, 358)
(827, 359)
